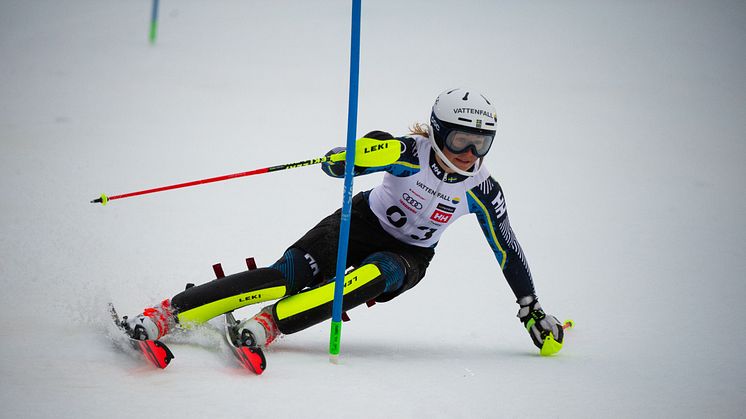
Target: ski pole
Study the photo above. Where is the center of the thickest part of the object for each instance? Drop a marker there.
(370, 152)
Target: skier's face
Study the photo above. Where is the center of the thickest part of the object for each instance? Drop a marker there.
(464, 161)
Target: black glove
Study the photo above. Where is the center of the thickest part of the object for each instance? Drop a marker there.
(336, 169)
(540, 325)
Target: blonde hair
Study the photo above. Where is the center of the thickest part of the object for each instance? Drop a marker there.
(418, 128)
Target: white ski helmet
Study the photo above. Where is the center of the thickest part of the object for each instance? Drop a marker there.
(465, 111)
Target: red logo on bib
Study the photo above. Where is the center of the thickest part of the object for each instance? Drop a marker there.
(440, 216)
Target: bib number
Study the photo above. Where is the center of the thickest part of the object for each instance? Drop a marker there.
(398, 219)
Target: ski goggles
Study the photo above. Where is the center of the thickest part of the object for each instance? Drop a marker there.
(460, 141)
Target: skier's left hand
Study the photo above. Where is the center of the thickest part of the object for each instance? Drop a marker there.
(545, 330)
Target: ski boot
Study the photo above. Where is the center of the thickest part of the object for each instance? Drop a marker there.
(152, 324)
(258, 331)
(142, 333)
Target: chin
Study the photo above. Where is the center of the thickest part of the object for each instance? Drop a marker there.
(465, 166)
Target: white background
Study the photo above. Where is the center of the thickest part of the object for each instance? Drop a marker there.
(620, 149)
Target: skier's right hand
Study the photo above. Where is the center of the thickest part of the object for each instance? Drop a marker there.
(545, 330)
(335, 169)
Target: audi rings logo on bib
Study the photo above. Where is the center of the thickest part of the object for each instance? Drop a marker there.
(411, 201)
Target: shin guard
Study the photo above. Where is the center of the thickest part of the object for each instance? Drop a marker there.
(311, 307)
(201, 303)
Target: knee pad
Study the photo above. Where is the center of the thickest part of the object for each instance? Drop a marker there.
(298, 268)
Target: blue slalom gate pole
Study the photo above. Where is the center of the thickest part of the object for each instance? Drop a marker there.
(344, 228)
(154, 22)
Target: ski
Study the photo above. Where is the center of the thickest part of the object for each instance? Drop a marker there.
(250, 357)
(154, 351)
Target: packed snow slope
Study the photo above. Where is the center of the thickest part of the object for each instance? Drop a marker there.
(620, 149)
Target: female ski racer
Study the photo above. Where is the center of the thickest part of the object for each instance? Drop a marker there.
(393, 233)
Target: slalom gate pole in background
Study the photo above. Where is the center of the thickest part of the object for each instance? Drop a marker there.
(344, 228)
(154, 22)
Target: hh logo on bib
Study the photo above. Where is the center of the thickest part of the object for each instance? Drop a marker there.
(440, 217)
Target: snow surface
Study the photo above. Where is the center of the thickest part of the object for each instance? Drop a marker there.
(621, 150)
